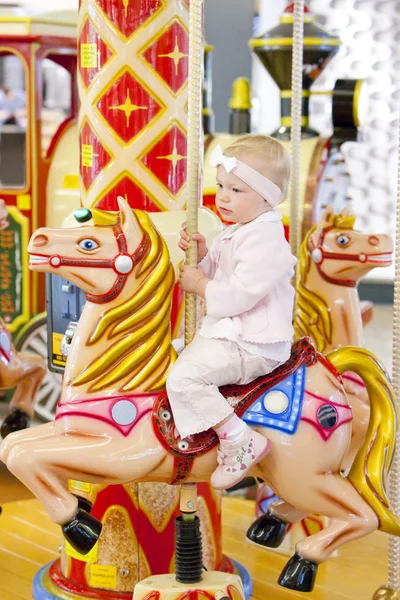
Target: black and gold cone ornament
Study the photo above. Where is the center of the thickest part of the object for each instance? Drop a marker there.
(275, 50)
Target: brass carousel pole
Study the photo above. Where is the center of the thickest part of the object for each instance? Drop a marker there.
(391, 591)
(297, 97)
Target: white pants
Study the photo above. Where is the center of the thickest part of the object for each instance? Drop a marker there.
(203, 366)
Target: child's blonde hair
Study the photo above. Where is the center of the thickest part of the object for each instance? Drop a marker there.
(275, 157)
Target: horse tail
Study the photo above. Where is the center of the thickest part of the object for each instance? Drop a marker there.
(370, 470)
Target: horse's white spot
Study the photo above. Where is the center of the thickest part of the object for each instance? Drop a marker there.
(124, 412)
(276, 402)
(5, 342)
(123, 264)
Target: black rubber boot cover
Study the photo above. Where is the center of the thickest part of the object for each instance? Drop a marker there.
(188, 550)
(15, 421)
(267, 531)
(83, 531)
(299, 574)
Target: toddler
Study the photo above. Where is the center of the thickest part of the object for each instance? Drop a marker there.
(245, 280)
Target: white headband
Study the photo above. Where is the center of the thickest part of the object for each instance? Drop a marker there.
(262, 185)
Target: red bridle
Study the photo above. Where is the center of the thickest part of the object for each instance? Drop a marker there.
(318, 255)
(123, 264)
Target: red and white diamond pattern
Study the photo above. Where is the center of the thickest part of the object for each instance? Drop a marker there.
(149, 117)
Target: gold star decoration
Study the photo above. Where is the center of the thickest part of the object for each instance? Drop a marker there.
(176, 55)
(174, 157)
(128, 108)
(126, 5)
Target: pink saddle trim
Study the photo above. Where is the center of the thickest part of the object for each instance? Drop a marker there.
(103, 409)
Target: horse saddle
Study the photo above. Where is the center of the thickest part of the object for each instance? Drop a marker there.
(240, 397)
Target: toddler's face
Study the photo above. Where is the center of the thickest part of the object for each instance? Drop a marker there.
(235, 200)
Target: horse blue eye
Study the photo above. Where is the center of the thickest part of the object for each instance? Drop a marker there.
(343, 240)
(88, 245)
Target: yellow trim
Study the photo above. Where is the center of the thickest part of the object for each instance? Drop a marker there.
(121, 72)
(50, 587)
(150, 146)
(156, 37)
(34, 188)
(109, 152)
(25, 314)
(321, 92)
(287, 121)
(116, 182)
(289, 93)
(290, 19)
(112, 57)
(209, 48)
(210, 191)
(356, 100)
(208, 112)
(29, 127)
(146, 23)
(308, 41)
(30, 20)
(28, 325)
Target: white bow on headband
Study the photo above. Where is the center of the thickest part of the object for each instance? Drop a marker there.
(261, 184)
(218, 158)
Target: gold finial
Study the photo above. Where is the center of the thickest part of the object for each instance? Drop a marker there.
(241, 99)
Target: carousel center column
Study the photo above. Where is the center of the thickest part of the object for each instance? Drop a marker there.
(133, 71)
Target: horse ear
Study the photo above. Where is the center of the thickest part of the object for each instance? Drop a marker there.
(126, 218)
(326, 216)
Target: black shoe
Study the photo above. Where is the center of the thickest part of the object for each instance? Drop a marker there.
(83, 531)
(84, 504)
(299, 574)
(267, 531)
(15, 421)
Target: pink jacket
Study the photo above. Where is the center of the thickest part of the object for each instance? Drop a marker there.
(250, 294)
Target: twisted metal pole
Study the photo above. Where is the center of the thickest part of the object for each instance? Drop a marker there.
(195, 146)
(297, 90)
(392, 590)
(194, 149)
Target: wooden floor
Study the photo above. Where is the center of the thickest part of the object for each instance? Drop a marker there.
(29, 540)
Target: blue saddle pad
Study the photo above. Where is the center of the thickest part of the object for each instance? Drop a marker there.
(280, 407)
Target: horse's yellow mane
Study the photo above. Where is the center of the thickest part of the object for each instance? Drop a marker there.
(311, 314)
(140, 353)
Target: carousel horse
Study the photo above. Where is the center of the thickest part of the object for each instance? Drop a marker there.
(114, 423)
(333, 258)
(25, 372)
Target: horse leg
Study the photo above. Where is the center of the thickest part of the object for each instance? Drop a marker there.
(22, 403)
(34, 370)
(44, 466)
(269, 529)
(25, 436)
(350, 518)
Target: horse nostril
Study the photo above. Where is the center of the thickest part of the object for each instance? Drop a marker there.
(40, 240)
(373, 240)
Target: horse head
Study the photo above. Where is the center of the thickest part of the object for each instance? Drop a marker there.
(95, 256)
(341, 254)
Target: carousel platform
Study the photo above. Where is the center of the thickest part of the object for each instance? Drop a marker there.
(29, 540)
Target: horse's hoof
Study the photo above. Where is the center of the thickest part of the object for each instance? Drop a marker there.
(299, 574)
(15, 421)
(267, 531)
(84, 504)
(82, 532)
